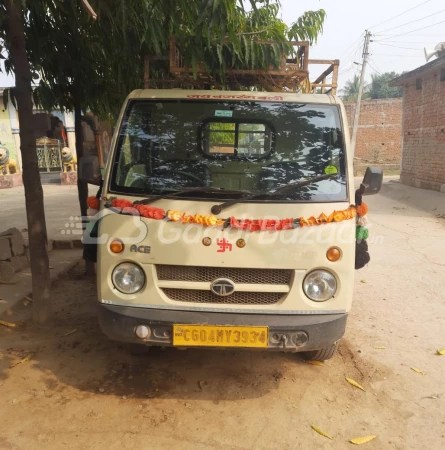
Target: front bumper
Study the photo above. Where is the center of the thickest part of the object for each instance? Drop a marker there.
(322, 330)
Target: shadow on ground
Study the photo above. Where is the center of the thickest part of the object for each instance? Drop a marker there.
(73, 351)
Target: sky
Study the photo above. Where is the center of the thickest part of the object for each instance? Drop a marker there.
(396, 45)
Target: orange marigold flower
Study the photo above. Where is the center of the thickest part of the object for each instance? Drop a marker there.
(339, 216)
(174, 216)
(362, 209)
(212, 220)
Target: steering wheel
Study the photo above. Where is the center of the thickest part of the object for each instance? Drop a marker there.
(188, 175)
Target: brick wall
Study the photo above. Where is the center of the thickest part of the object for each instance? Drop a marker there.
(423, 162)
(379, 135)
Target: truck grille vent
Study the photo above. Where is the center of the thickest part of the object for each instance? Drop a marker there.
(237, 275)
(239, 298)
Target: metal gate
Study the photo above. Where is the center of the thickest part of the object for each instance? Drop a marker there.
(49, 155)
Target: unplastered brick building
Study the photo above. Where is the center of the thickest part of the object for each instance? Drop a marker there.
(423, 126)
(379, 133)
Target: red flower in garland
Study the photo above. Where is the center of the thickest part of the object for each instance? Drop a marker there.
(121, 203)
(93, 203)
(234, 223)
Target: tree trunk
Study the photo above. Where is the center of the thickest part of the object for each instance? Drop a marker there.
(38, 242)
(82, 186)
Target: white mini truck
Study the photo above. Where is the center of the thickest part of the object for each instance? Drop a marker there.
(227, 220)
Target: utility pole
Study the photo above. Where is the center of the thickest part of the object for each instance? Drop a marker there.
(360, 91)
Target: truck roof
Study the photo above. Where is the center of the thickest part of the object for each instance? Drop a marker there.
(232, 95)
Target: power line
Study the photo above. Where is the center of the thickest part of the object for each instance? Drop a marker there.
(414, 35)
(401, 14)
(376, 65)
(372, 67)
(357, 40)
(413, 31)
(397, 46)
(407, 42)
(412, 21)
(353, 55)
(398, 56)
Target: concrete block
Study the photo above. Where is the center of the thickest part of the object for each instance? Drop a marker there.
(16, 180)
(63, 244)
(6, 270)
(5, 249)
(17, 244)
(5, 181)
(16, 241)
(19, 263)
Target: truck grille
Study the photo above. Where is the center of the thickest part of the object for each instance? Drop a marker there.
(239, 298)
(237, 275)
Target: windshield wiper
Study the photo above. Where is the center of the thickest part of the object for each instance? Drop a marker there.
(217, 209)
(203, 190)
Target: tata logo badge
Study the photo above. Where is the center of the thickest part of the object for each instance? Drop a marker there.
(222, 287)
(140, 249)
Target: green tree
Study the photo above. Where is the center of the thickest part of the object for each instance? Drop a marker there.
(12, 32)
(380, 88)
(350, 91)
(85, 64)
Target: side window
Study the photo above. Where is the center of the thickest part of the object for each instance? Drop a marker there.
(236, 139)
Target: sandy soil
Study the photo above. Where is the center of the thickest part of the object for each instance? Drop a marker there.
(80, 391)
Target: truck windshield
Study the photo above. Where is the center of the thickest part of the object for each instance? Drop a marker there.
(169, 146)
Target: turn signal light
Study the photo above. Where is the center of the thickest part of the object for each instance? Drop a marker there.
(333, 254)
(117, 246)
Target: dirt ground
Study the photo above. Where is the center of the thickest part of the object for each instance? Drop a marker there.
(80, 391)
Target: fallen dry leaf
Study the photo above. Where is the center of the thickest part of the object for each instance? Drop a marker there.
(362, 439)
(362, 281)
(321, 432)
(418, 370)
(380, 348)
(441, 352)
(314, 363)
(69, 332)
(7, 324)
(26, 358)
(354, 383)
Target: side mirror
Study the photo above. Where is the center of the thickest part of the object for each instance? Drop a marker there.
(372, 181)
(89, 170)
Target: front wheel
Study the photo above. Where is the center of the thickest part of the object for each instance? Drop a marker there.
(320, 355)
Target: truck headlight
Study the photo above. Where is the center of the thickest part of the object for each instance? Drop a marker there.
(128, 278)
(320, 285)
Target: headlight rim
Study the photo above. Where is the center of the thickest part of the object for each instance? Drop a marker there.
(320, 269)
(115, 285)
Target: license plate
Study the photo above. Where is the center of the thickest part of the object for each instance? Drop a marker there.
(220, 336)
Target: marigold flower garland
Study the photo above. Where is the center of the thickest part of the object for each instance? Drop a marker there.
(150, 212)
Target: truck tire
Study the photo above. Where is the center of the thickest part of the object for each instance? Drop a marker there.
(320, 355)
